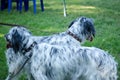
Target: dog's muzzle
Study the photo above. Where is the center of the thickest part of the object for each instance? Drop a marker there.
(8, 45)
(90, 38)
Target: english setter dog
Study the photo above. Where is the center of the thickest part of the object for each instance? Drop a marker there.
(61, 62)
(18, 41)
(54, 62)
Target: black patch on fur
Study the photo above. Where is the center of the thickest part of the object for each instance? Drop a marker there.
(71, 23)
(49, 72)
(44, 39)
(88, 27)
(53, 51)
(16, 41)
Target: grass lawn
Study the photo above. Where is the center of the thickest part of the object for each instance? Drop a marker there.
(106, 14)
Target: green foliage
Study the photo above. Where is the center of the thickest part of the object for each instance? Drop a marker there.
(106, 15)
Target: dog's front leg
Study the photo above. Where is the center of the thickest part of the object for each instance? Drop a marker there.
(15, 69)
(8, 77)
(12, 72)
(11, 77)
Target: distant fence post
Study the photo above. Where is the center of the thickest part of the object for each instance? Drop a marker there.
(64, 8)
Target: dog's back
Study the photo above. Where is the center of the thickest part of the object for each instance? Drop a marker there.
(84, 63)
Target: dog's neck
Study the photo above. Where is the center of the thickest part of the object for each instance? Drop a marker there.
(28, 46)
(76, 32)
(74, 36)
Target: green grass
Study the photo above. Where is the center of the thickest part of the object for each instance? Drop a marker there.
(106, 14)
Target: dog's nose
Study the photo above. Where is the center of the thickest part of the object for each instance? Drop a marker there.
(6, 36)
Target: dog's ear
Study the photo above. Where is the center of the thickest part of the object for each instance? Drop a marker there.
(82, 19)
(89, 27)
(71, 23)
(16, 41)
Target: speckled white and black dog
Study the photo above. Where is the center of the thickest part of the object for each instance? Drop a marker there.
(20, 40)
(54, 62)
(63, 62)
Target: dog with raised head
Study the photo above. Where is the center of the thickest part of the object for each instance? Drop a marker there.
(19, 41)
(79, 30)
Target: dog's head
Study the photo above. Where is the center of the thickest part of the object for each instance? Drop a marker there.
(83, 26)
(15, 37)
